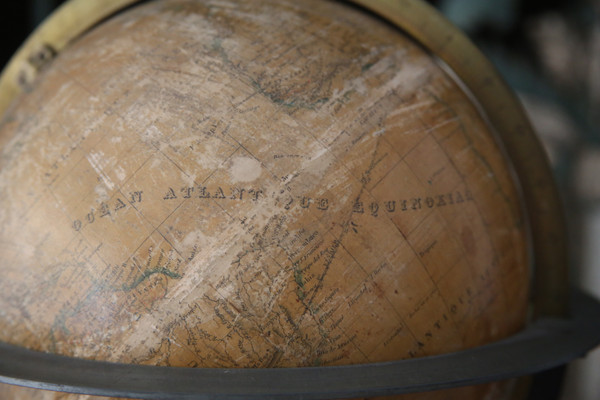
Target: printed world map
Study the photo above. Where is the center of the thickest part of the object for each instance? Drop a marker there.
(254, 184)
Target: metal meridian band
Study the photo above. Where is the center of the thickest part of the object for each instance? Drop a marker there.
(545, 344)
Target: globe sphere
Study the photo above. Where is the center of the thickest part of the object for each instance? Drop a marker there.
(255, 184)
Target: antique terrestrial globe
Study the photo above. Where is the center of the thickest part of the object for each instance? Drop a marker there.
(264, 186)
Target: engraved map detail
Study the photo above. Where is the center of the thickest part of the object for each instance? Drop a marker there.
(269, 184)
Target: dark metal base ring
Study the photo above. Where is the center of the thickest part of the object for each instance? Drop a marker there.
(545, 344)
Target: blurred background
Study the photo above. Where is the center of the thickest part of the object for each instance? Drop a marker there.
(549, 52)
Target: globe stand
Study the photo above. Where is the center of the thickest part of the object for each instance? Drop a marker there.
(545, 344)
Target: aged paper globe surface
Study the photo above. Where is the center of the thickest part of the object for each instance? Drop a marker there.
(254, 184)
